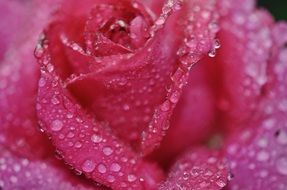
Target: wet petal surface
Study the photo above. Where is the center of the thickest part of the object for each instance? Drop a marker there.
(198, 169)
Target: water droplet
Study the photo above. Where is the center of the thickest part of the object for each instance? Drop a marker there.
(107, 151)
(39, 51)
(102, 168)
(115, 167)
(220, 183)
(17, 167)
(88, 166)
(50, 68)
(281, 165)
(42, 82)
(69, 116)
(262, 143)
(175, 97)
(78, 145)
(111, 178)
(96, 139)
(217, 44)
(165, 106)
(185, 175)
(212, 53)
(55, 100)
(282, 138)
(70, 135)
(13, 179)
(262, 156)
(269, 123)
(263, 173)
(131, 178)
(57, 125)
(160, 21)
(126, 107)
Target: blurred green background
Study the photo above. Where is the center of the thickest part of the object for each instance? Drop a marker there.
(278, 8)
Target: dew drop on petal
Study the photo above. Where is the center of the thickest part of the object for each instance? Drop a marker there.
(111, 179)
(220, 183)
(107, 151)
(88, 166)
(96, 139)
(165, 106)
(42, 82)
(102, 168)
(282, 138)
(262, 156)
(175, 97)
(78, 145)
(115, 167)
(131, 178)
(281, 165)
(212, 53)
(57, 125)
(217, 44)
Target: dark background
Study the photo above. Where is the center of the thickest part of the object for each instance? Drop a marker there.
(278, 8)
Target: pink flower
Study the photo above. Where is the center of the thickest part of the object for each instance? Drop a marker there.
(176, 94)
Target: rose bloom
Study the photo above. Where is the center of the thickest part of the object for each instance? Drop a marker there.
(142, 94)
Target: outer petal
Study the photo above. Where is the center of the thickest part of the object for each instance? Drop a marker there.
(241, 63)
(88, 145)
(18, 83)
(22, 173)
(199, 169)
(261, 149)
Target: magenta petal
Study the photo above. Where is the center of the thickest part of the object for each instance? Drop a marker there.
(18, 82)
(22, 173)
(260, 152)
(193, 117)
(198, 169)
(241, 62)
(260, 149)
(198, 41)
(87, 145)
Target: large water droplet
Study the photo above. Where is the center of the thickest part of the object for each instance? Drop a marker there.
(165, 106)
(212, 53)
(281, 165)
(96, 138)
(88, 166)
(175, 97)
(282, 138)
(262, 156)
(42, 82)
(111, 178)
(115, 167)
(107, 151)
(50, 68)
(220, 183)
(131, 178)
(102, 168)
(78, 145)
(57, 125)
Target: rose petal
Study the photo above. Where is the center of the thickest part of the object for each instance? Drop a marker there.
(260, 149)
(120, 87)
(18, 83)
(197, 42)
(22, 173)
(88, 145)
(241, 62)
(198, 169)
(193, 117)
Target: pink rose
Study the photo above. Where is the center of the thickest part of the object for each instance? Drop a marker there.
(113, 89)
